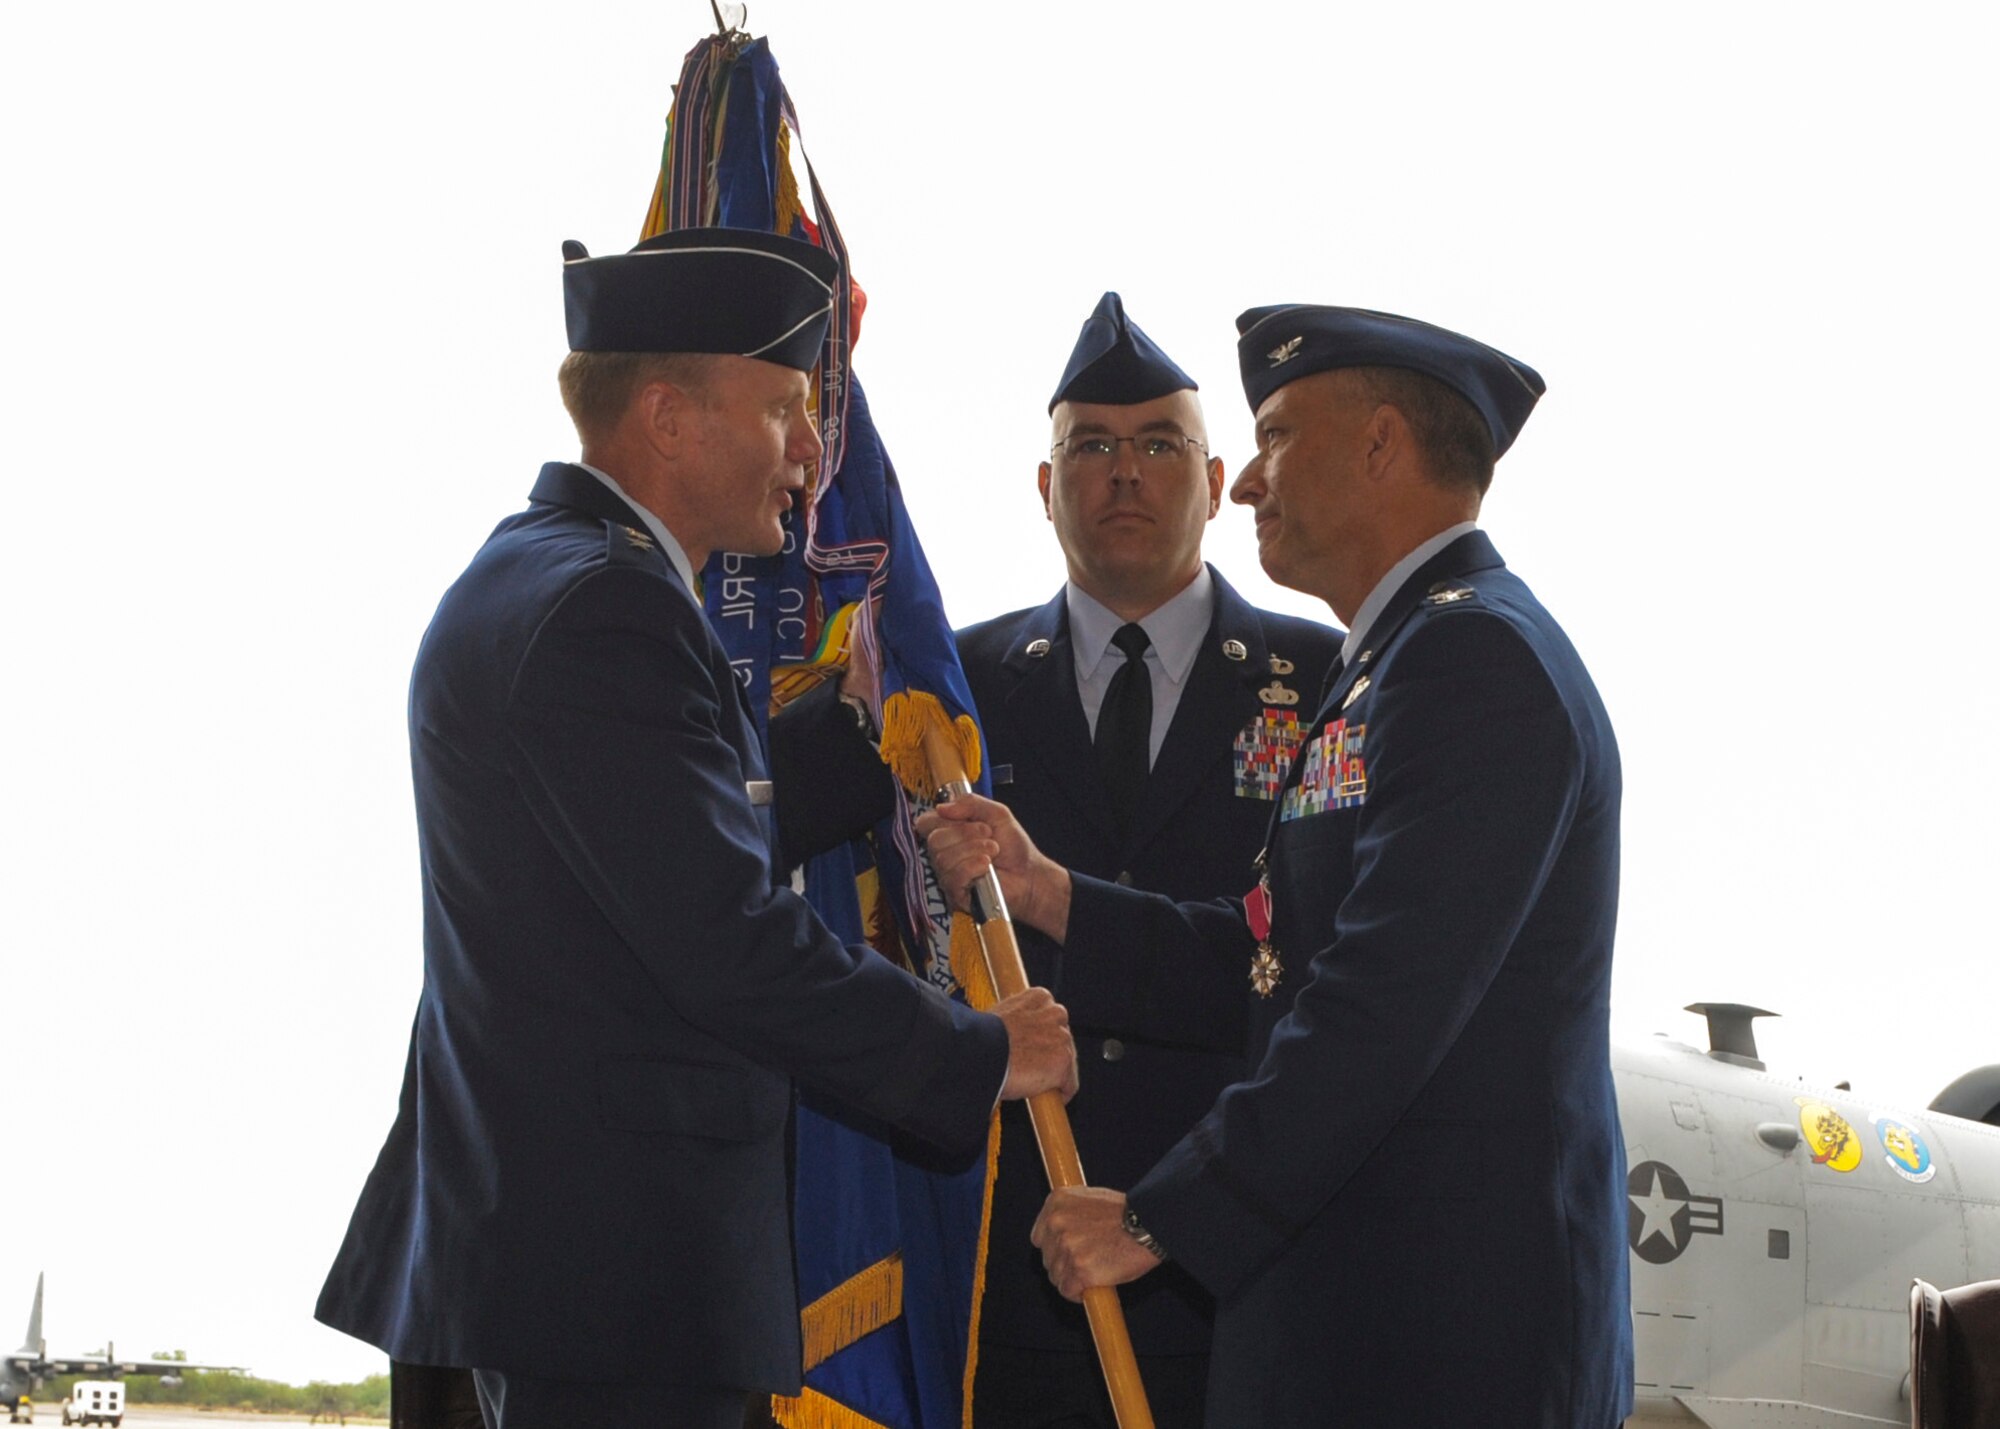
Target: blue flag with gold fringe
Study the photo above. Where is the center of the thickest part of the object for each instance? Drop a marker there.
(891, 1241)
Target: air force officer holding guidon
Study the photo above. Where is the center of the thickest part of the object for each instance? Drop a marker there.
(1156, 768)
(584, 1194)
(1413, 1211)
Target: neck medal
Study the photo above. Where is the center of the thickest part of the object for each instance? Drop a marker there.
(1265, 969)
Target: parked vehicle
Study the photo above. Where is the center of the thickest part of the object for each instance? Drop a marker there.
(95, 1401)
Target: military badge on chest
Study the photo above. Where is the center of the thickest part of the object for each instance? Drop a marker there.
(1266, 971)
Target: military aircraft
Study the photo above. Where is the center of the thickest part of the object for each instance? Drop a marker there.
(22, 1372)
(1775, 1228)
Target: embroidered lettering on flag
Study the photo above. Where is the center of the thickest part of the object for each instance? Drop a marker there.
(1264, 751)
(1334, 774)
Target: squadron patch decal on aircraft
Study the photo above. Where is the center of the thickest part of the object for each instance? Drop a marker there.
(1829, 1134)
(1908, 1154)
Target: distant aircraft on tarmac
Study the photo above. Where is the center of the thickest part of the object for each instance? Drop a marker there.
(22, 1372)
(1775, 1228)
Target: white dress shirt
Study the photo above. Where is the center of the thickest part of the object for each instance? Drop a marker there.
(1175, 630)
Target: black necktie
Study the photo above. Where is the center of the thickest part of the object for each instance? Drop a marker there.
(1125, 725)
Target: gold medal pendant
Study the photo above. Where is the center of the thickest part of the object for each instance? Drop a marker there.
(1265, 970)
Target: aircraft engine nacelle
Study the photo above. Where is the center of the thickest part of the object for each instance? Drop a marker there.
(1974, 1096)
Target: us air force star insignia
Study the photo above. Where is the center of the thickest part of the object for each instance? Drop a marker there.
(1444, 593)
(1285, 351)
(1276, 694)
(1662, 1215)
(1281, 667)
(1265, 970)
(1235, 650)
(1037, 649)
(1355, 693)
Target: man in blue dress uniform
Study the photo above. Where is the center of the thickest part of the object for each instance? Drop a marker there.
(1412, 1211)
(1155, 769)
(584, 1196)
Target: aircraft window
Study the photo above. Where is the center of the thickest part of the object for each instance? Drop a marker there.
(1780, 1245)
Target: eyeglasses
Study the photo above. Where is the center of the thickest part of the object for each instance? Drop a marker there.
(1098, 450)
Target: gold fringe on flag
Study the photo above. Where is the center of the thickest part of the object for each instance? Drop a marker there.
(985, 1219)
(875, 1297)
(905, 716)
(968, 964)
(858, 1305)
(853, 1308)
(813, 1410)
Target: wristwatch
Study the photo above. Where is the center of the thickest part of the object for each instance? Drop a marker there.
(857, 709)
(1142, 1235)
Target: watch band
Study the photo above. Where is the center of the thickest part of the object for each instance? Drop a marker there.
(864, 722)
(1142, 1235)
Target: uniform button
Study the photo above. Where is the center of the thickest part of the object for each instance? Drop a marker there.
(1113, 1049)
(1124, 879)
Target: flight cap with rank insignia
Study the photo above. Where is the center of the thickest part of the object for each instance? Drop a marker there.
(703, 290)
(1115, 363)
(1281, 344)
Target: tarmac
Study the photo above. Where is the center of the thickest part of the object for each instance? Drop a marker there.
(48, 1415)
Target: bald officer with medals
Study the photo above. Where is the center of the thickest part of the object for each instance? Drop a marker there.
(583, 1198)
(1412, 1211)
(1137, 725)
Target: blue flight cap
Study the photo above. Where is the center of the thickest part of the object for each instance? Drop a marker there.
(1115, 362)
(718, 290)
(1280, 344)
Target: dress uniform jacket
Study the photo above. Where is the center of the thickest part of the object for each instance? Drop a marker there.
(1153, 1051)
(587, 1175)
(1413, 1211)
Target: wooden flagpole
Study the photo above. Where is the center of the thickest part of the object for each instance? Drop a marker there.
(1046, 1109)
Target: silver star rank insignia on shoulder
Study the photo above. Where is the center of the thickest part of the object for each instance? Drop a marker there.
(1447, 593)
(1285, 351)
(639, 539)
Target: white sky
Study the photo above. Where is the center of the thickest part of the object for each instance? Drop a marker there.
(282, 313)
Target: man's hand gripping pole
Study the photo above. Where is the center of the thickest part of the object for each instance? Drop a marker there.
(1045, 1109)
